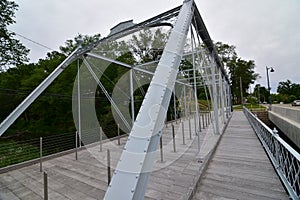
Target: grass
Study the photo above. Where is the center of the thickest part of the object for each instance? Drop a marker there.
(257, 107)
(12, 152)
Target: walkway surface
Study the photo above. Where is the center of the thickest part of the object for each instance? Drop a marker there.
(240, 169)
(86, 178)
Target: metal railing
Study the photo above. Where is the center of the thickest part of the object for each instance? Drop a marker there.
(13, 152)
(284, 158)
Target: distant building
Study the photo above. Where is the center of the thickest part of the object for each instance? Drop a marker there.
(121, 26)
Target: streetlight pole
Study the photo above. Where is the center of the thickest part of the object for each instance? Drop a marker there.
(268, 81)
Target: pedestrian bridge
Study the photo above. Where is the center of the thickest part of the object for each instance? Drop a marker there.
(233, 165)
(200, 153)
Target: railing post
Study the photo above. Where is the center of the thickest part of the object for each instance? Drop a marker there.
(76, 145)
(183, 137)
(108, 167)
(195, 123)
(100, 142)
(190, 130)
(199, 122)
(119, 143)
(45, 186)
(205, 116)
(41, 154)
(173, 134)
(161, 150)
(275, 132)
(203, 120)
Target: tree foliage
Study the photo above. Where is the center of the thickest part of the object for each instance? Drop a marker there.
(12, 52)
(239, 70)
(261, 93)
(72, 44)
(288, 91)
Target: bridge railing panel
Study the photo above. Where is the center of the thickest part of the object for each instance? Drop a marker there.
(284, 158)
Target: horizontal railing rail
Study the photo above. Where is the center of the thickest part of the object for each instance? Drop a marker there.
(19, 153)
(284, 158)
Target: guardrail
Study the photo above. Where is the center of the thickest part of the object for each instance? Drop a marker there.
(284, 158)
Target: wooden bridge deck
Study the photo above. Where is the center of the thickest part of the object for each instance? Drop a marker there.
(86, 178)
(240, 169)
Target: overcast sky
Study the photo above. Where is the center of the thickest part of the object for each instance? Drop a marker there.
(266, 31)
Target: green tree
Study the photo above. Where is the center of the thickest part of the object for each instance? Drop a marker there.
(261, 93)
(72, 44)
(290, 90)
(148, 45)
(238, 69)
(12, 52)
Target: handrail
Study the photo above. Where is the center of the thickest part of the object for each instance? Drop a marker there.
(284, 158)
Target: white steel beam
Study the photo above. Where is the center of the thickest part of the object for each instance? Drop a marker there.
(133, 170)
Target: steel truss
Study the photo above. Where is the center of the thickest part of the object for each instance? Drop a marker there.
(133, 170)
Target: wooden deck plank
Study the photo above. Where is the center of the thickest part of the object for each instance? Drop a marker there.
(240, 168)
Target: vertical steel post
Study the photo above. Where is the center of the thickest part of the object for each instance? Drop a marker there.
(183, 136)
(185, 106)
(275, 132)
(161, 150)
(131, 95)
(79, 102)
(174, 104)
(76, 145)
(119, 142)
(222, 96)
(203, 122)
(41, 154)
(108, 167)
(45, 186)
(190, 130)
(215, 96)
(173, 134)
(101, 137)
(199, 117)
(195, 123)
(206, 119)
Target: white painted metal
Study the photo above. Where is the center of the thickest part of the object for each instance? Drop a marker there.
(215, 96)
(79, 102)
(197, 125)
(106, 94)
(132, 172)
(222, 96)
(131, 95)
